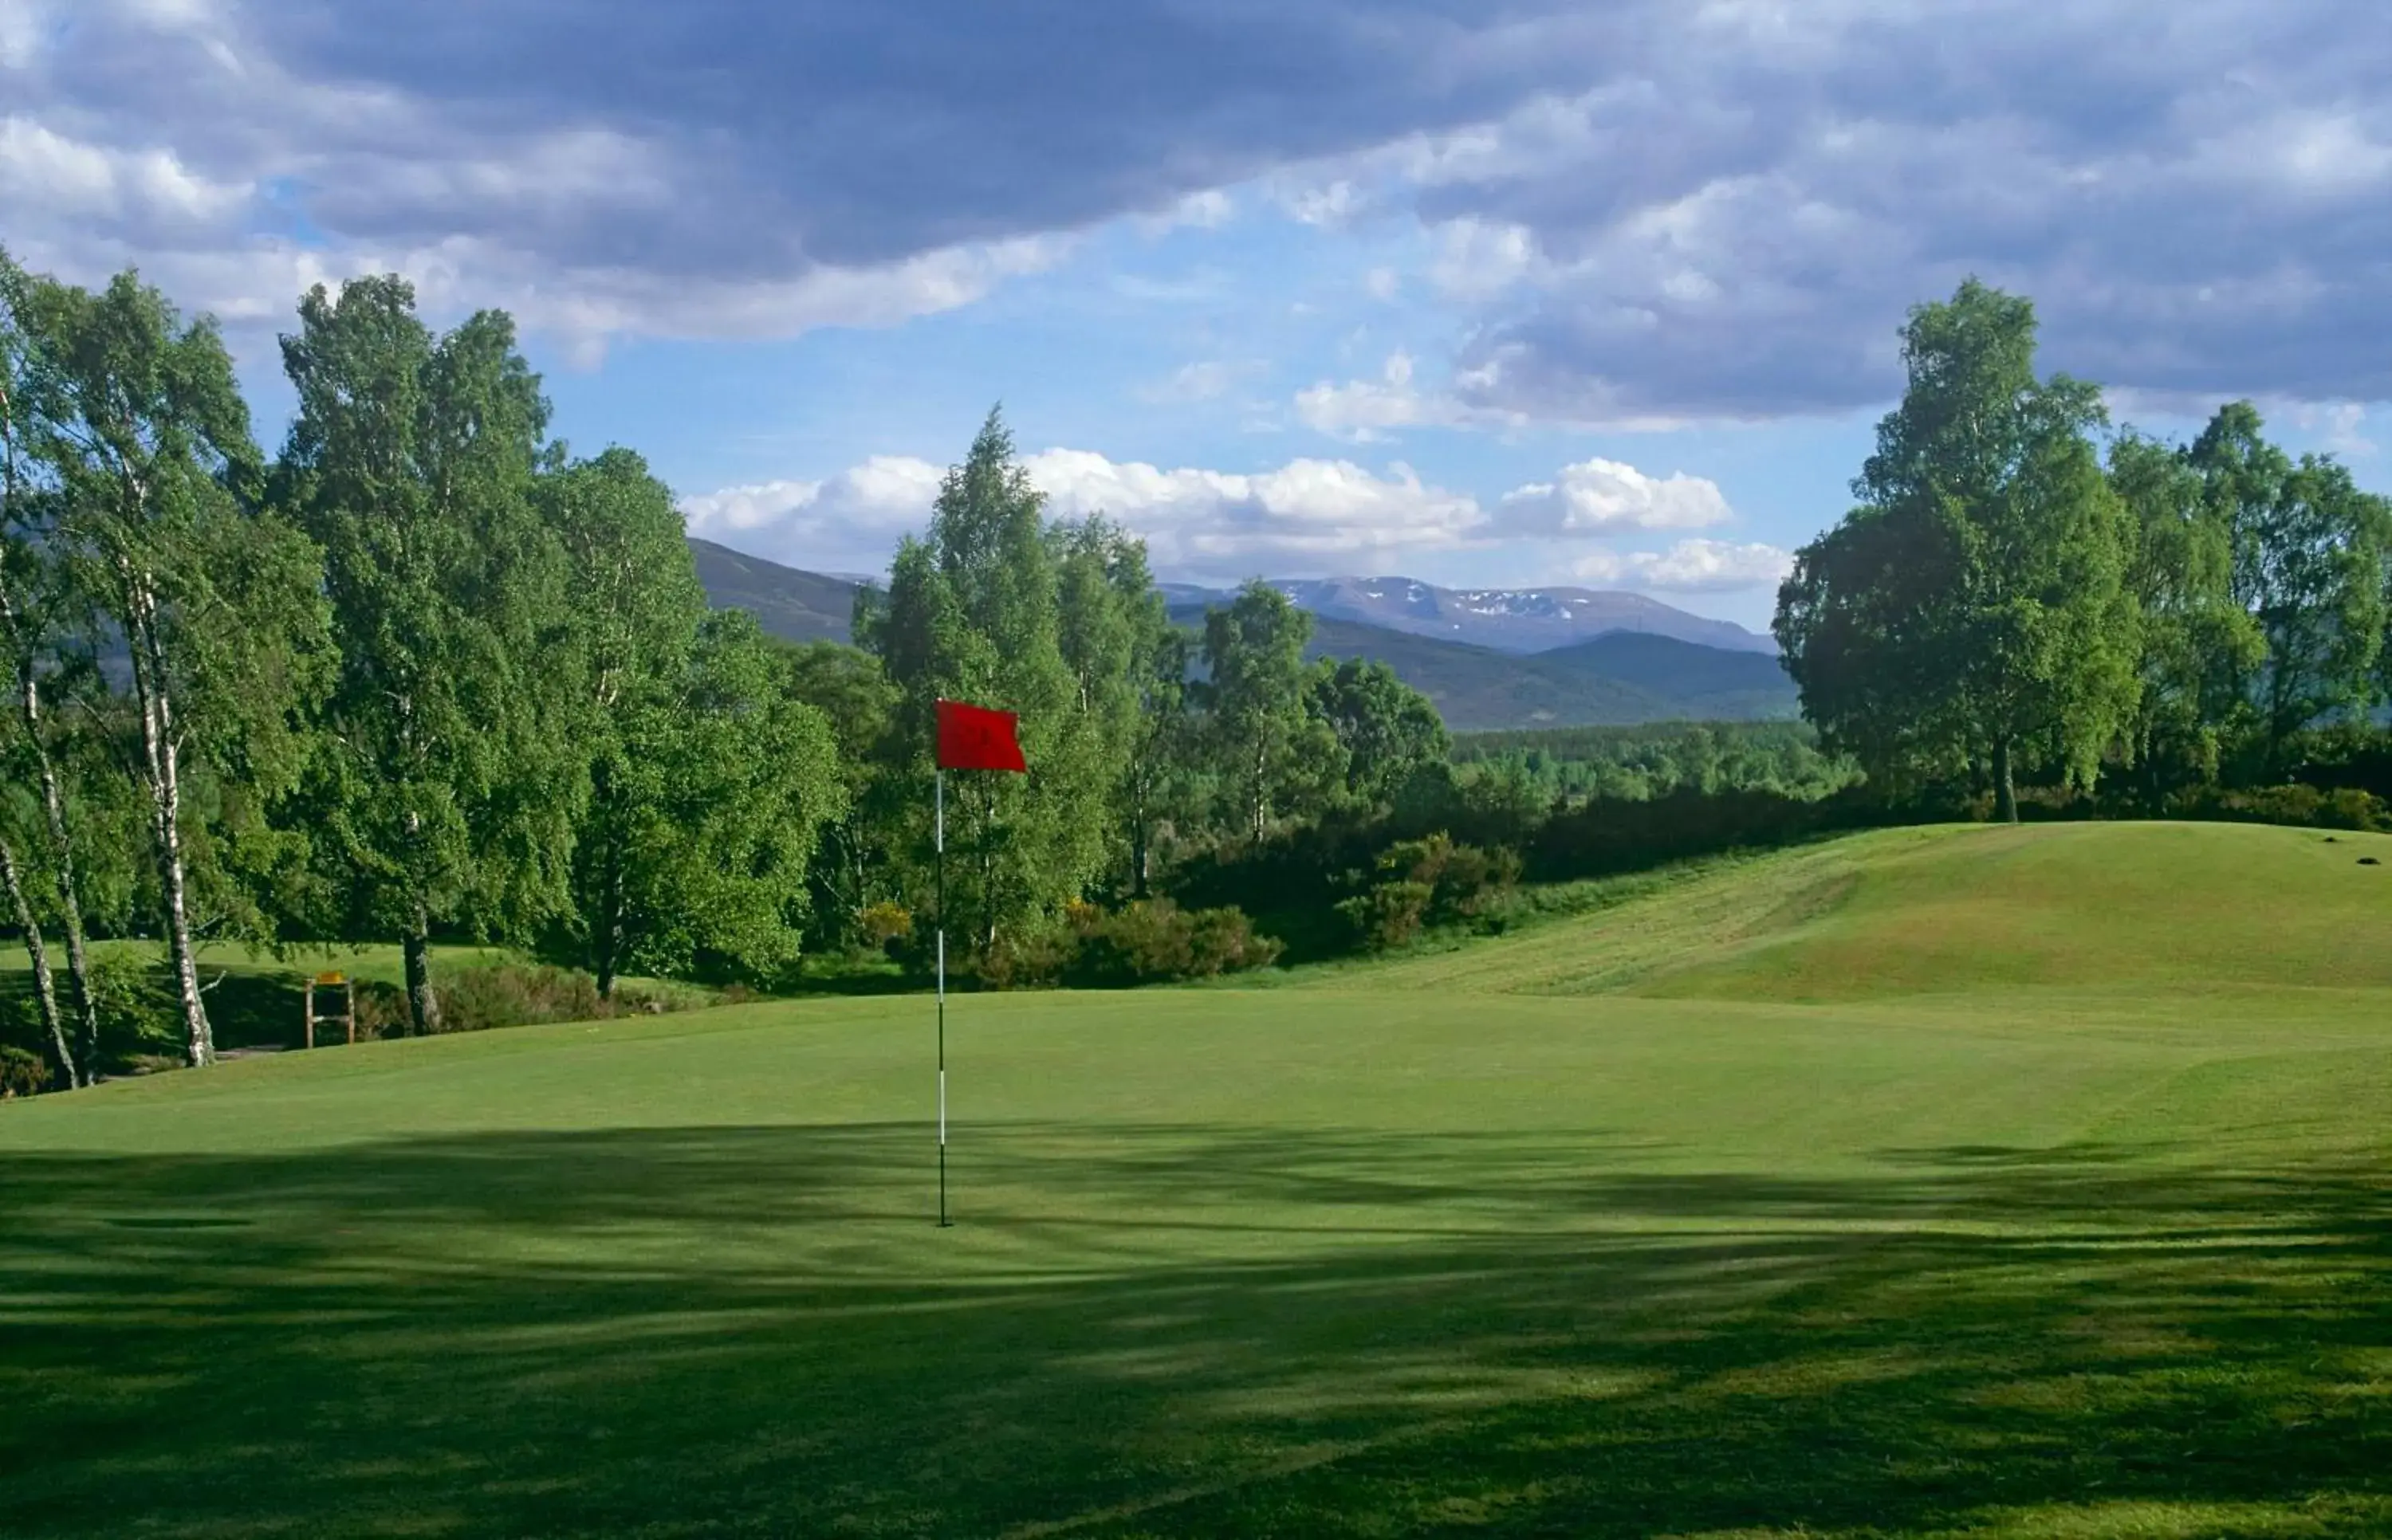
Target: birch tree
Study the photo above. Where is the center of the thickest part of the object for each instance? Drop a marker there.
(450, 783)
(161, 530)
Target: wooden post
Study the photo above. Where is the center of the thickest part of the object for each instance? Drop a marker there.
(311, 1013)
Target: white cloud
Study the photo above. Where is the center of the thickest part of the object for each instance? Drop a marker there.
(1363, 411)
(1604, 496)
(1204, 211)
(1205, 379)
(50, 172)
(1690, 567)
(1477, 260)
(852, 518)
(1332, 202)
(2342, 425)
(1229, 524)
(1307, 514)
(1381, 284)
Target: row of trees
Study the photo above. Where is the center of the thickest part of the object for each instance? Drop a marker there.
(2005, 605)
(423, 674)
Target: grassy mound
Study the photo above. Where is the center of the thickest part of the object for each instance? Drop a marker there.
(2178, 908)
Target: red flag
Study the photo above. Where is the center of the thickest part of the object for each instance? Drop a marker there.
(975, 737)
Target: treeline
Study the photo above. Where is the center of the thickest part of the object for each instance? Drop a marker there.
(1654, 759)
(423, 674)
(2009, 608)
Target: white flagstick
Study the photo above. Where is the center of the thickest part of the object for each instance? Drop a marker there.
(939, 784)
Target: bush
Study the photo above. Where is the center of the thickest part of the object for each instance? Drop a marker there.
(885, 922)
(1156, 941)
(1427, 882)
(133, 998)
(1387, 913)
(504, 994)
(1152, 941)
(21, 1074)
(2300, 805)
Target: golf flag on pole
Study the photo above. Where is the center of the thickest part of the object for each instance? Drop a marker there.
(970, 737)
(975, 737)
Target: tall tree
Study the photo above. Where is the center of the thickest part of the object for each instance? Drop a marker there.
(2307, 557)
(451, 780)
(853, 861)
(1973, 608)
(2200, 646)
(972, 612)
(1272, 754)
(29, 602)
(1386, 729)
(1110, 619)
(212, 599)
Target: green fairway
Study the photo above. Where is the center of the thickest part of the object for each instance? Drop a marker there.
(1956, 1182)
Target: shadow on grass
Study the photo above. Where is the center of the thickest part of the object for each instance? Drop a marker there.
(1188, 1331)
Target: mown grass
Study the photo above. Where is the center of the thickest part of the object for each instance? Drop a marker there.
(1400, 1254)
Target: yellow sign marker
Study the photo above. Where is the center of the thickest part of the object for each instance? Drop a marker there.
(331, 978)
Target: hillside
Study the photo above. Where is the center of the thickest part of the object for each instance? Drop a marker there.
(800, 606)
(1618, 680)
(1622, 677)
(2135, 909)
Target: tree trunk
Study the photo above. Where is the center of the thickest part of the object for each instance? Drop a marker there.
(422, 1004)
(2004, 791)
(609, 936)
(161, 754)
(1137, 841)
(61, 841)
(45, 995)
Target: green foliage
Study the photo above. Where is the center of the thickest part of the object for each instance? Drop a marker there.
(2299, 805)
(1418, 882)
(1386, 731)
(1155, 941)
(492, 996)
(1634, 762)
(449, 778)
(22, 1073)
(1275, 757)
(708, 776)
(858, 858)
(149, 501)
(2199, 645)
(1973, 608)
(973, 612)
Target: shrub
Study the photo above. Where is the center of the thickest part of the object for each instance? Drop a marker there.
(2300, 805)
(504, 994)
(1431, 881)
(1387, 913)
(885, 922)
(1155, 941)
(135, 1002)
(21, 1074)
(1023, 960)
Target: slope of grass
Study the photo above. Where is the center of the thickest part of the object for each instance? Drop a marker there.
(1399, 1255)
(2127, 907)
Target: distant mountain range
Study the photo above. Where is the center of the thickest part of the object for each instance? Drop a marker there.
(1488, 658)
(1510, 620)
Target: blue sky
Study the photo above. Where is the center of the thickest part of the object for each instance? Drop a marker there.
(1485, 293)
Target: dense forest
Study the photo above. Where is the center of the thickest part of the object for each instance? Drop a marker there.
(424, 675)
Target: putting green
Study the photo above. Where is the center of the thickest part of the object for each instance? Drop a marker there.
(1769, 1205)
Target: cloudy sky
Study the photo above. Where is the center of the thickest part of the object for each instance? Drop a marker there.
(1477, 290)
